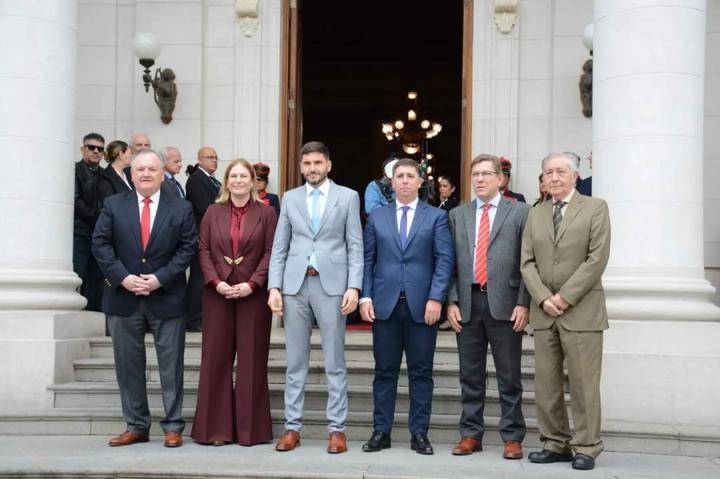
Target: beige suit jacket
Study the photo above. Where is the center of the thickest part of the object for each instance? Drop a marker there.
(570, 264)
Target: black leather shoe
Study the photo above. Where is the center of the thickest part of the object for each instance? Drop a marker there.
(546, 457)
(583, 462)
(420, 443)
(378, 441)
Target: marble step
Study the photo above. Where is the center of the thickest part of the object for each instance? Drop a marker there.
(360, 398)
(360, 373)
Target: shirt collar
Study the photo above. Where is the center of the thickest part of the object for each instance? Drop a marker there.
(203, 170)
(412, 204)
(155, 197)
(168, 175)
(567, 198)
(324, 188)
(493, 202)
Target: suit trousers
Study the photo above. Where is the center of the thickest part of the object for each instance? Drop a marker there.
(193, 296)
(86, 267)
(310, 302)
(582, 351)
(391, 337)
(128, 336)
(506, 346)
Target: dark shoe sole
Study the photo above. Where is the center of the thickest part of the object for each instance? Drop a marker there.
(425, 453)
(552, 461)
(297, 444)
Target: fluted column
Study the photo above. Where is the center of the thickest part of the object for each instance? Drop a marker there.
(37, 117)
(648, 102)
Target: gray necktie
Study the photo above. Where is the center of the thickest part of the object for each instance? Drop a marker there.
(557, 214)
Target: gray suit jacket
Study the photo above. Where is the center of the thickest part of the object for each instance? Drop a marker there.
(338, 243)
(505, 285)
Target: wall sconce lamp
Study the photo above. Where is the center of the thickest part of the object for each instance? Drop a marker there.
(147, 49)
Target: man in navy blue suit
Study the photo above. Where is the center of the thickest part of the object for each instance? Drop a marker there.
(143, 242)
(409, 259)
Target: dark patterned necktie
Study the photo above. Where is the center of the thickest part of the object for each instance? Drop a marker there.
(557, 214)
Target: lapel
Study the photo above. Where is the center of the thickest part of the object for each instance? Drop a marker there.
(133, 213)
(500, 215)
(421, 212)
(390, 214)
(330, 202)
(576, 203)
(469, 216)
(546, 209)
(301, 204)
(250, 222)
(163, 211)
(222, 223)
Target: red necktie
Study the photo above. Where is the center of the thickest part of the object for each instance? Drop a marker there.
(481, 247)
(145, 223)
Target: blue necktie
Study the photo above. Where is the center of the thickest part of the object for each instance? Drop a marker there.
(403, 227)
(315, 210)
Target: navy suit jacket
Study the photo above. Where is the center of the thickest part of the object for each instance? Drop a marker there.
(423, 270)
(117, 248)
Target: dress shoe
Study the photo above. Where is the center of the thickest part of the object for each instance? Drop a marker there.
(420, 443)
(467, 446)
(378, 441)
(127, 438)
(583, 462)
(289, 441)
(173, 439)
(546, 457)
(219, 443)
(337, 444)
(513, 450)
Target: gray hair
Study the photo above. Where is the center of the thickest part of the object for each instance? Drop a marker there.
(147, 152)
(164, 151)
(570, 157)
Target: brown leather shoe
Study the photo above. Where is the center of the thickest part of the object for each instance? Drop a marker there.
(513, 450)
(337, 444)
(466, 446)
(289, 441)
(127, 438)
(173, 439)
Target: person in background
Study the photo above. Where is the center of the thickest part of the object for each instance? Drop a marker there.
(173, 164)
(447, 193)
(262, 172)
(505, 181)
(85, 215)
(544, 194)
(236, 237)
(583, 185)
(140, 141)
(112, 180)
(379, 192)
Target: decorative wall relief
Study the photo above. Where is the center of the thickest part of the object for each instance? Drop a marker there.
(506, 15)
(247, 13)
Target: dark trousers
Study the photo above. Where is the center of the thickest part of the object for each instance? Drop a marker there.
(86, 267)
(506, 347)
(128, 335)
(193, 296)
(391, 337)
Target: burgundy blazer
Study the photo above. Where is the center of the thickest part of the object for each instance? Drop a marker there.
(255, 244)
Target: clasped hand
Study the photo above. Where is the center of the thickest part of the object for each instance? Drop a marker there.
(141, 285)
(555, 305)
(239, 290)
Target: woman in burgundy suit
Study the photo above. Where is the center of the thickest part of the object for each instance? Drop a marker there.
(236, 236)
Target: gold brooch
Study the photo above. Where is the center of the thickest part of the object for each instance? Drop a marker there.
(235, 261)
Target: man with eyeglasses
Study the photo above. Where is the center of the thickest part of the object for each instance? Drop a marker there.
(85, 215)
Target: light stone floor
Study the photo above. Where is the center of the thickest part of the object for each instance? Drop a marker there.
(89, 456)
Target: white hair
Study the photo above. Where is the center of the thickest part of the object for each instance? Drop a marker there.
(147, 152)
(572, 164)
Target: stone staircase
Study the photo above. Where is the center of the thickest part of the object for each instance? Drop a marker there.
(91, 404)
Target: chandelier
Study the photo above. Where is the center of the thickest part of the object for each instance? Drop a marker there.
(411, 133)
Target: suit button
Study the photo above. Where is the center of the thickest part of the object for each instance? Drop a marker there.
(144, 260)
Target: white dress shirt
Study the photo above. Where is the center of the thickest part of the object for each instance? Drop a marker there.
(153, 207)
(567, 202)
(410, 214)
(324, 189)
(478, 216)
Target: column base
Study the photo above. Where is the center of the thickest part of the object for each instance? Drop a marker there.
(39, 289)
(37, 349)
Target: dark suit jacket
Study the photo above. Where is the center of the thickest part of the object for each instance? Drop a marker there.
(511, 195)
(423, 270)
(255, 244)
(505, 286)
(108, 184)
(172, 188)
(584, 186)
(118, 251)
(449, 204)
(201, 192)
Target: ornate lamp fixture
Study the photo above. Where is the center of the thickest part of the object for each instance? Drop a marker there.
(147, 49)
(413, 134)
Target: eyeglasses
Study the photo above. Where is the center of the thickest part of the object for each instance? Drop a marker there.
(209, 158)
(96, 148)
(485, 174)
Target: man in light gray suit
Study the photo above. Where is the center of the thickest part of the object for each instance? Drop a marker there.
(316, 271)
(488, 303)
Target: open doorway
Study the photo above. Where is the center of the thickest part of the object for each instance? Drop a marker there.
(348, 68)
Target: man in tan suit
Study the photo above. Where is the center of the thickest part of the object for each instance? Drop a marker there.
(565, 249)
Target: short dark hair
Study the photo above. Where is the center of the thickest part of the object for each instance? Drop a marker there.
(315, 147)
(94, 136)
(407, 162)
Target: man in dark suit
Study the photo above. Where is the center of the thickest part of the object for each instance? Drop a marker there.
(408, 265)
(144, 241)
(202, 190)
(172, 158)
(488, 303)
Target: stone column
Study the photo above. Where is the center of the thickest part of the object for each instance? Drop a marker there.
(37, 115)
(648, 159)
